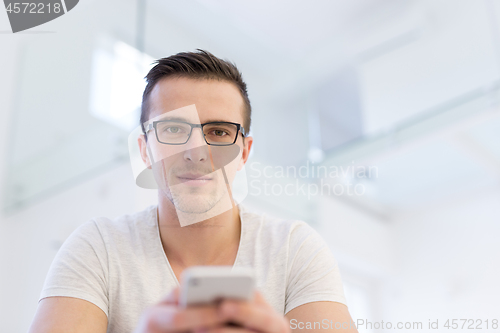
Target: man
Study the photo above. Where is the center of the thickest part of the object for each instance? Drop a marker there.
(121, 275)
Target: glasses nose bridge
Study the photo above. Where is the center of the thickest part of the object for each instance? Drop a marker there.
(195, 126)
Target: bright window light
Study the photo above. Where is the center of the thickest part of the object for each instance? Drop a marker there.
(117, 84)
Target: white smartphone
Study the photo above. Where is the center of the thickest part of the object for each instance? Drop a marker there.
(201, 285)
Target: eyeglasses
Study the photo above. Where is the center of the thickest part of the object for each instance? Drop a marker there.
(178, 132)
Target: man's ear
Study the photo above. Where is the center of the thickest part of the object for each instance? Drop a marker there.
(143, 148)
(247, 146)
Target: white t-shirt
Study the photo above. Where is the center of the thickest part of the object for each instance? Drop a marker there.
(120, 265)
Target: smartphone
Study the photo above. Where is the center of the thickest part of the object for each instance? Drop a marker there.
(202, 285)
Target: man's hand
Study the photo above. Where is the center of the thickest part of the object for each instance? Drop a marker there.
(168, 316)
(251, 316)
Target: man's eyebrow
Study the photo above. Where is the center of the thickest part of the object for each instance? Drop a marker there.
(218, 121)
(173, 118)
(176, 118)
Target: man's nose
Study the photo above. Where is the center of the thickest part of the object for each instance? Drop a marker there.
(196, 147)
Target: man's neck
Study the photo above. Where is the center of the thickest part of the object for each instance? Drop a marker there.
(213, 241)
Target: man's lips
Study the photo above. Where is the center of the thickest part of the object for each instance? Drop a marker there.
(194, 179)
(192, 176)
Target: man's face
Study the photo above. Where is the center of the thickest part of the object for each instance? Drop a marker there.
(190, 173)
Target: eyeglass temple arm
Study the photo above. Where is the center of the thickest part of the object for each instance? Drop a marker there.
(149, 127)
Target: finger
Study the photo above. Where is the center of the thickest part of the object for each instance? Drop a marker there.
(226, 329)
(173, 318)
(252, 316)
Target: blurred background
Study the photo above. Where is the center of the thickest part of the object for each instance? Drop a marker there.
(389, 108)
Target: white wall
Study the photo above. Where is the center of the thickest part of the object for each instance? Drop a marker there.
(360, 240)
(8, 64)
(447, 262)
(364, 246)
(440, 263)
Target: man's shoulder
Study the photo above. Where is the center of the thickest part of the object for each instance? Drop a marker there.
(126, 223)
(263, 223)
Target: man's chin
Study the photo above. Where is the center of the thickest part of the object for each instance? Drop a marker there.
(193, 209)
(195, 204)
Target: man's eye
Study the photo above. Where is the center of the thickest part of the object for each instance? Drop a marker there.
(219, 132)
(173, 129)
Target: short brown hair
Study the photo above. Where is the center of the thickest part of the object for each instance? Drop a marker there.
(195, 65)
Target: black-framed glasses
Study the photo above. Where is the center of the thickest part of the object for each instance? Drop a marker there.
(217, 133)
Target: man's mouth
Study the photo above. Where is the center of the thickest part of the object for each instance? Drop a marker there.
(194, 179)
